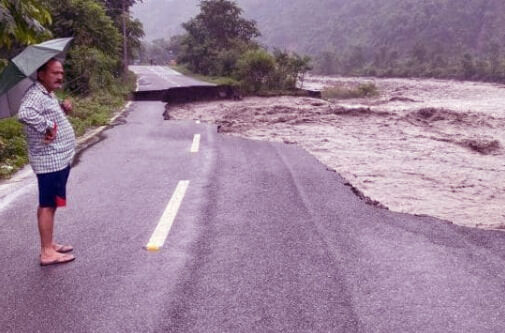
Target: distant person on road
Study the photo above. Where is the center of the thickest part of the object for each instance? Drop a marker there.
(51, 145)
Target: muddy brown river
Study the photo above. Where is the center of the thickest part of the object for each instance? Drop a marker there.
(424, 146)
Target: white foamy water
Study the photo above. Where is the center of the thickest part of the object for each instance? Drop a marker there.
(488, 98)
(423, 146)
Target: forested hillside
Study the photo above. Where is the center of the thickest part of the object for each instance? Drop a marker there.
(432, 37)
(313, 26)
(461, 38)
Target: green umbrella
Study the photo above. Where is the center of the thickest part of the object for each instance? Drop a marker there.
(21, 71)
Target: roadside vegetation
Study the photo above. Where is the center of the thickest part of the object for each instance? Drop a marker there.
(95, 77)
(228, 53)
(225, 80)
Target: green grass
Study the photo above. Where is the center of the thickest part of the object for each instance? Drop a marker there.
(219, 80)
(361, 91)
(13, 149)
(88, 112)
(223, 80)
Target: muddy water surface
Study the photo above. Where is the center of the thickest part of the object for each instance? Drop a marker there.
(422, 146)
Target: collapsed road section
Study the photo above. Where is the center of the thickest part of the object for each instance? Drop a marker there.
(187, 94)
(160, 83)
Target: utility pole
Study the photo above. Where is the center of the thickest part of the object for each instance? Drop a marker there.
(125, 42)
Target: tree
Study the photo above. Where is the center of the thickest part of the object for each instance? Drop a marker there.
(22, 22)
(381, 56)
(219, 42)
(468, 66)
(134, 35)
(115, 8)
(299, 66)
(218, 27)
(255, 68)
(87, 22)
(290, 69)
(327, 62)
(355, 59)
(221, 23)
(494, 58)
(132, 31)
(419, 52)
(160, 51)
(94, 58)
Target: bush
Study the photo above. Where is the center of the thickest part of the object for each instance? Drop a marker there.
(255, 69)
(10, 128)
(89, 70)
(13, 149)
(363, 90)
(367, 90)
(226, 62)
(289, 69)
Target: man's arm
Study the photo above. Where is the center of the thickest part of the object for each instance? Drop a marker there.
(30, 116)
(66, 105)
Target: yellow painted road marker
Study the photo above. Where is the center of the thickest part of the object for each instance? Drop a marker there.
(196, 144)
(167, 219)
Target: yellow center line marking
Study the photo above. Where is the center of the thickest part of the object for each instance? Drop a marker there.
(196, 144)
(167, 219)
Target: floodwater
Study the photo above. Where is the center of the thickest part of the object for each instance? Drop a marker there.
(422, 146)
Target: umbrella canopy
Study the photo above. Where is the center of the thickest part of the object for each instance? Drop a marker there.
(21, 72)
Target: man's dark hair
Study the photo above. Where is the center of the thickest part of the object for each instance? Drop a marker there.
(44, 66)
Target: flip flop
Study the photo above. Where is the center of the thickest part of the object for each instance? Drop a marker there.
(62, 260)
(64, 249)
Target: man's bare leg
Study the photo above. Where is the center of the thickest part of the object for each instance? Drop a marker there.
(45, 217)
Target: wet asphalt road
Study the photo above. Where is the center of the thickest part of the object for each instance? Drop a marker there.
(266, 240)
(162, 77)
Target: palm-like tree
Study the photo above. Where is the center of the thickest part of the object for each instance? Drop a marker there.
(22, 22)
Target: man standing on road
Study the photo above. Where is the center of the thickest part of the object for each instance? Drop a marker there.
(51, 145)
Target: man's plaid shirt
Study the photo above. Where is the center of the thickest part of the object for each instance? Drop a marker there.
(39, 111)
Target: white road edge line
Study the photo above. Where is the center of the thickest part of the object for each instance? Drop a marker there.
(100, 129)
(24, 174)
(11, 197)
(167, 219)
(196, 143)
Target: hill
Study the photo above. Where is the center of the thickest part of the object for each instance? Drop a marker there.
(163, 18)
(362, 35)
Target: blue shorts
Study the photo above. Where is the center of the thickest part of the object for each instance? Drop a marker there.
(53, 188)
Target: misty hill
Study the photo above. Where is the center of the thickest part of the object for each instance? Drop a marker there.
(351, 33)
(163, 18)
(313, 26)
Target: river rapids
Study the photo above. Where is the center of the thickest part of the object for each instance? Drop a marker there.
(422, 146)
